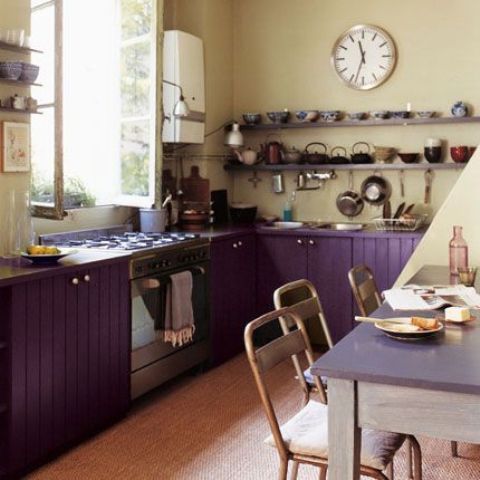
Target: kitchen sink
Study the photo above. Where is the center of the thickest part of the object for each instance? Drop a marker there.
(340, 226)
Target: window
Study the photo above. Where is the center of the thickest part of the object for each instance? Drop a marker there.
(96, 136)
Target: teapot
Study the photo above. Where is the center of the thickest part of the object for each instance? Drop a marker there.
(272, 152)
(247, 157)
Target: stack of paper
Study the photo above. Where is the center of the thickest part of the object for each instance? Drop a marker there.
(416, 297)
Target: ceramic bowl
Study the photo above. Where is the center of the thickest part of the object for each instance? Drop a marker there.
(384, 154)
(408, 157)
(29, 72)
(10, 70)
(330, 115)
(307, 115)
(460, 109)
(380, 114)
(401, 114)
(279, 117)
(252, 118)
(426, 113)
(460, 154)
(357, 115)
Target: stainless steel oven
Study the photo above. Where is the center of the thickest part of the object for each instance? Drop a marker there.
(153, 360)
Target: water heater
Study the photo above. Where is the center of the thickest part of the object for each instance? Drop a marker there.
(183, 66)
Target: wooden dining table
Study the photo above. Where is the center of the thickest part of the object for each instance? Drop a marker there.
(424, 387)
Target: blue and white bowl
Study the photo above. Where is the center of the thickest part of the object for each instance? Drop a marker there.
(29, 72)
(307, 115)
(380, 114)
(279, 117)
(252, 118)
(401, 114)
(426, 113)
(459, 109)
(330, 115)
(10, 70)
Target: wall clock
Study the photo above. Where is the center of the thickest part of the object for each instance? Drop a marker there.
(364, 56)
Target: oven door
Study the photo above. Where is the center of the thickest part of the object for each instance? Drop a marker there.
(148, 315)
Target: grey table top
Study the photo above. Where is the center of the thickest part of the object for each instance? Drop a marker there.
(449, 361)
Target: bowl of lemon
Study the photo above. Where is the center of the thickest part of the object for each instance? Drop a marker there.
(44, 254)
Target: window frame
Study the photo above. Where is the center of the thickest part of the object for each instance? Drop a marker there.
(57, 211)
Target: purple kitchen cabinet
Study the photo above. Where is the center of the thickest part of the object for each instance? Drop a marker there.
(65, 361)
(232, 294)
(329, 260)
(386, 257)
(280, 259)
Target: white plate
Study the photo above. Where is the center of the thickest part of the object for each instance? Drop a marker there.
(401, 328)
(47, 259)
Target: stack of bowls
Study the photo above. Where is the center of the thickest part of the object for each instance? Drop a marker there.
(10, 70)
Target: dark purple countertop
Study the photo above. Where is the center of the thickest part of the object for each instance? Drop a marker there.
(449, 361)
(18, 269)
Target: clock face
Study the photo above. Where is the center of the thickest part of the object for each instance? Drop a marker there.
(364, 56)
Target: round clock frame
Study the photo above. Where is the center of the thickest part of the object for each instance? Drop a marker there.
(384, 62)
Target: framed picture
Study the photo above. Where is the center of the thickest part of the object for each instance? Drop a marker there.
(15, 147)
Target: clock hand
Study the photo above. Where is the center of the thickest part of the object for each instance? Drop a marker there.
(362, 52)
(358, 71)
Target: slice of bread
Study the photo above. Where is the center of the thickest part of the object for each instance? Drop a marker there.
(425, 323)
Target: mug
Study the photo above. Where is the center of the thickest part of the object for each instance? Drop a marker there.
(433, 150)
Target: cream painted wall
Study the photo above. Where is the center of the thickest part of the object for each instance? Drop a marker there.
(13, 14)
(211, 20)
(282, 60)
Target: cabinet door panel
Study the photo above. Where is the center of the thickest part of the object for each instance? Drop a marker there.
(280, 259)
(329, 260)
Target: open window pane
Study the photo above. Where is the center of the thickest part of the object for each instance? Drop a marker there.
(43, 157)
(135, 158)
(137, 18)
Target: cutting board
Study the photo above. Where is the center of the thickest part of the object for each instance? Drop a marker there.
(195, 188)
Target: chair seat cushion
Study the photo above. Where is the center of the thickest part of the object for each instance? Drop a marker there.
(309, 378)
(307, 433)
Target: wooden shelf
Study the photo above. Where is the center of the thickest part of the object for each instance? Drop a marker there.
(17, 49)
(361, 123)
(16, 110)
(19, 83)
(370, 166)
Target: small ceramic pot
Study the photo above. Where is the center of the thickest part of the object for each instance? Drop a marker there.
(459, 109)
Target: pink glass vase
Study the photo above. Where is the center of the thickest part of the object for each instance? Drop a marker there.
(458, 250)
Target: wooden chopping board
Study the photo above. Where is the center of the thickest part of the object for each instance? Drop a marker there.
(195, 188)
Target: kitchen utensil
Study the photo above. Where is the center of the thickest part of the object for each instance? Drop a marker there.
(243, 213)
(247, 157)
(278, 185)
(330, 115)
(271, 151)
(387, 209)
(153, 219)
(47, 259)
(433, 150)
(252, 118)
(291, 156)
(376, 190)
(406, 331)
(307, 115)
(350, 203)
(401, 176)
(195, 188)
(409, 209)
(338, 159)
(428, 186)
(401, 114)
(380, 114)
(408, 157)
(459, 109)
(467, 275)
(460, 154)
(315, 158)
(426, 113)
(361, 157)
(384, 154)
(167, 200)
(279, 117)
(399, 211)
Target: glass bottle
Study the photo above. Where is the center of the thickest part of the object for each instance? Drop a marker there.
(458, 250)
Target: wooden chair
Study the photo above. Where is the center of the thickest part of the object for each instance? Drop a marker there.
(303, 439)
(368, 299)
(302, 296)
(364, 289)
